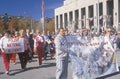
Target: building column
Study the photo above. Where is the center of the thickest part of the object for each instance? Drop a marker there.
(68, 20)
(68, 17)
(105, 14)
(58, 21)
(95, 15)
(73, 20)
(80, 19)
(87, 18)
(63, 21)
(116, 14)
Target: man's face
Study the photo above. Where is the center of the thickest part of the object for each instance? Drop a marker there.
(27, 31)
(81, 31)
(62, 32)
(6, 34)
(109, 32)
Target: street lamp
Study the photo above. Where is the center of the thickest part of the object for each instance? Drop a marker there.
(31, 26)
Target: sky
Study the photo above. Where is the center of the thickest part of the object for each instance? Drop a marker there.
(29, 8)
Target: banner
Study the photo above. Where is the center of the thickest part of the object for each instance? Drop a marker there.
(91, 58)
(14, 45)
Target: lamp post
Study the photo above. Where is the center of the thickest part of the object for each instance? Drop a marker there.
(31, 26)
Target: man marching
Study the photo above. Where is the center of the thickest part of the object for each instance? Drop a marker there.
(61, 54)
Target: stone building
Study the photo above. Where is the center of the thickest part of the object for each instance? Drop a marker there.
(76, 14)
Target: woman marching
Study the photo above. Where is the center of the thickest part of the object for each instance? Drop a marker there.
(23, 56)
(39, 46)
(5, 56)
(13, 57)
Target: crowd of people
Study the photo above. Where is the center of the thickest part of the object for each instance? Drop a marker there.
(55, 45)
(34, 44)
(62, 49)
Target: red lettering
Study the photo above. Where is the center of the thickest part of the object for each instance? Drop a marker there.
(13, 40)
(8, 45)
(90, 44)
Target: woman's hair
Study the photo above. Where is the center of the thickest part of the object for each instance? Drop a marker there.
(21, 31)
(37, 31)
(7, 31)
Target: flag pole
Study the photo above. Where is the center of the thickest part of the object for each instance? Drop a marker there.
(43, 23)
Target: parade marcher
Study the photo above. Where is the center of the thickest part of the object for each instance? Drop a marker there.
(39, 46)
(52, 48)
(108, 50)
(107, 39)
(48, 35)
(13, 57)
(110, 33)
(118, 40)
(47, 44)
(5, 56)
(113, 38)
(67, 32)
(24, 56)
(29, 36)
(61, 48)
(80, 32)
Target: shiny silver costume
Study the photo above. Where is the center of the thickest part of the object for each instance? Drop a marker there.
(61, 47)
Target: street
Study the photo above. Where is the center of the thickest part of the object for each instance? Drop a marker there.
(45, 71)
(34, 71)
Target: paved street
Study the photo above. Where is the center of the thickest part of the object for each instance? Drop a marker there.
(45, 71)
(33, 71)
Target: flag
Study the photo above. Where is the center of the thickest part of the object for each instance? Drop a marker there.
(43, 6)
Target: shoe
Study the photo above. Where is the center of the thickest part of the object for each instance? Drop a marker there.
(7, 72)
(40, 64)
(24, 67)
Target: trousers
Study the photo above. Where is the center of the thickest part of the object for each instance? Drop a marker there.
(61, 68)
(6, 60)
